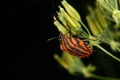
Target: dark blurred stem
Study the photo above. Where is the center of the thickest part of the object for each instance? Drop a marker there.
(114, 57)
(102, 78)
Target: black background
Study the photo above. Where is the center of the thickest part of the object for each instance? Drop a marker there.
(33, 21)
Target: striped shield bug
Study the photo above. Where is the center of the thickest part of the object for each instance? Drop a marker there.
(72, 44)
(75, 46)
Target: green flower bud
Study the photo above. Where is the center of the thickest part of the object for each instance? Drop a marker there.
(71, 11)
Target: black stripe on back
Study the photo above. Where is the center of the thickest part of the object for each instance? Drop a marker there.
(66, 43)
(78, 43)
(74, 49)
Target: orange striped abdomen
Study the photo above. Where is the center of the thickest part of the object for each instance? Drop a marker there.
(75, 46)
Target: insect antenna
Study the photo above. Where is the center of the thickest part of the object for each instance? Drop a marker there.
(52, 38)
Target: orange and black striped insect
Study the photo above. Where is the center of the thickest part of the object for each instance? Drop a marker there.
(75, 46)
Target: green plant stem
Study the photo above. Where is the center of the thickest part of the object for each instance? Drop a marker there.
(114, 57)
(102, 78)
(85, 27)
